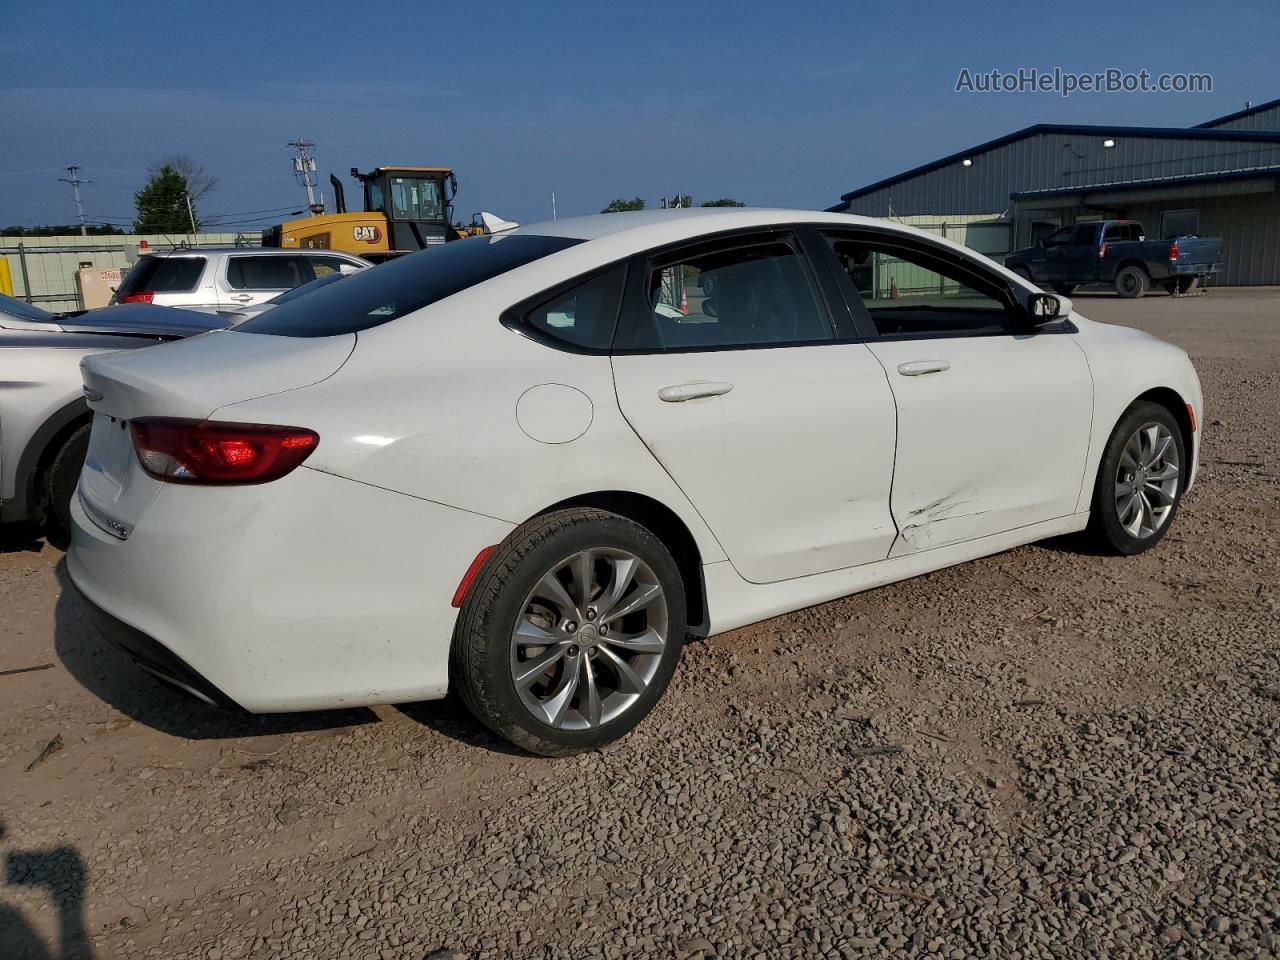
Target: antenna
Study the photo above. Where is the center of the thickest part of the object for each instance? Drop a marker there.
(304, 168)
(73, 178)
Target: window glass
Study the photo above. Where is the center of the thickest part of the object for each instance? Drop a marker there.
(403, 285)
(323, 266)
(265, 273)
(1058, 237)
(1119, 232)
(306, 288)
(739, 297)
(1086, 234)
(413, 199)
(376, 202)
(909, 293)
(163, 275)
(583, 317)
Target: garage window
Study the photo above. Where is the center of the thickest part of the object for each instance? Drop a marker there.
(1179, 223)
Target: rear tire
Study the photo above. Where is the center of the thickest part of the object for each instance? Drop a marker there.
(1132, 283)
(603, 673)
(61, 479)
(1144, 458)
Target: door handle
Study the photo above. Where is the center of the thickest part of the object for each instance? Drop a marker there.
(242, 297)
(696, 390)
(916, 368)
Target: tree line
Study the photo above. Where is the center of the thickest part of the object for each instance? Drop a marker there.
(623, 205)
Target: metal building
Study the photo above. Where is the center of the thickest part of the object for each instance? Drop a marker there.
(1216, 179)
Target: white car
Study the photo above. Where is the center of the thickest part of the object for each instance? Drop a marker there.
(528, 465)
(227, 278)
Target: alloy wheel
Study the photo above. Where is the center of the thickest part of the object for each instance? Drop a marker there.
(1146, 485)
(589, 638)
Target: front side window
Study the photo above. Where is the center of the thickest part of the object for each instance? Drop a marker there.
(413, 199)
(372, 297)
(754, 295)
(266, 273)
(1059, 238)
(910, 292)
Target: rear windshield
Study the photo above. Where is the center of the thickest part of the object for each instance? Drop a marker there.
(373, 297)
(163, 275)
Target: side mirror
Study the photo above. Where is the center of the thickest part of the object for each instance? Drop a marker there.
(1045, 308)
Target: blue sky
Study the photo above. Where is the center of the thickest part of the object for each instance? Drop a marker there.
(775, 104)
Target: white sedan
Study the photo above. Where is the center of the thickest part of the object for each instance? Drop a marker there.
(528, 465)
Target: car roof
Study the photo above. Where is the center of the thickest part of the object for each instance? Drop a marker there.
(684, 221)
(255, 251)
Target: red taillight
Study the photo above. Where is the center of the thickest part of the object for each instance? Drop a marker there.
(197, 451)
(146, 296)
(1174, 252)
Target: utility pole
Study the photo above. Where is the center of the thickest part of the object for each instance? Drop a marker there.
(73, 178)
(192, 214)
(304, 168)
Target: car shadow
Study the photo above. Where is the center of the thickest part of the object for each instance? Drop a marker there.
(111, 676)
(1075, 544)
(450, 718)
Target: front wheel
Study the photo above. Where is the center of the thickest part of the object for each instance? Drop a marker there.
(1140, 480)
(571, 632)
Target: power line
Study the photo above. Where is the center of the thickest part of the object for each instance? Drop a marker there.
(304, 168)
(73, 178)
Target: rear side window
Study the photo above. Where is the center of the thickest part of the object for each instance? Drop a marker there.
(755, 295)
(266, 273)
(372, 297)
(581, 317)
(323, 266)
(163, 275)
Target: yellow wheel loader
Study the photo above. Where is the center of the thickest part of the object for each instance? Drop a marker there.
(406, 209)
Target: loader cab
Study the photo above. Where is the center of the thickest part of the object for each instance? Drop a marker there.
(417, 202)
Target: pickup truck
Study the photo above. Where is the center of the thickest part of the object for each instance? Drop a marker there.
(1117, 253)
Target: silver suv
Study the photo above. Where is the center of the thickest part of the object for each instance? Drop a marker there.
(224, 278)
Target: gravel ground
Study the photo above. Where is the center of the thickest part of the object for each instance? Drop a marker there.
(1041, 754)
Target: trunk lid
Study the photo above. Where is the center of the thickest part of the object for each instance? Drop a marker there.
(194, 377)
(187, 378)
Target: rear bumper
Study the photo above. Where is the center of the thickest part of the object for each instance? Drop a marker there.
(311, 592)
(156, 658)
(1197, 269)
